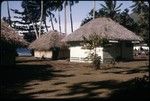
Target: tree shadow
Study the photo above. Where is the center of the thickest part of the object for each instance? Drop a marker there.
(122, 70)
(33, 60)
(119, 90)
(88, 88)
(14, 79)
(134, 89)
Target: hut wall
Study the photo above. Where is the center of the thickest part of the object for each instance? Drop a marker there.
(127, 50)
(112, 52)
(77, 54)
(45, 54)
(64, 54)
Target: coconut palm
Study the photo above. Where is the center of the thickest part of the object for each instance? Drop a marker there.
(41, 17)
(138, 6)
(9, 17)
(70, 3)
(110, 8)
(59, 21)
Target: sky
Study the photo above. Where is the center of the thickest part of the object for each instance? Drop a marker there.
(79, 12)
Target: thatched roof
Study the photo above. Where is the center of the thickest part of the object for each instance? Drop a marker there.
(9, 35)
(47, 41)
(105, 28)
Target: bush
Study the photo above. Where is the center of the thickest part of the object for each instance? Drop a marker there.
(96, 61)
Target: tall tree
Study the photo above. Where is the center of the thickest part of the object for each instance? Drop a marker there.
(141, 8)
(59, 21)
(65, 17)
(31, 15)
(70, 3)
(9, 17)
(41, 17)
(111, 8)
(125, 19)
(94, 9)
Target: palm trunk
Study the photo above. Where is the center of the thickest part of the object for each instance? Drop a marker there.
(59, 21)
(51, 22)
(41, 17)
(36, 33)
(94, 9)
(45, 25)
(33, 24)
(9, 17)
(65, 23)
(71, 17)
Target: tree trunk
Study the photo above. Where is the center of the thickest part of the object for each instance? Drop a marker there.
(94, 9)
(36, 33)
(71, 16)
(59, 21)
(9, 17)
(45, 25)
(51, 22)
(65, 17)
(41, 18)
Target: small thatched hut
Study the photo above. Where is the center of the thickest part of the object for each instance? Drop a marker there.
(120, 40)
(49, 45)
(9, 41)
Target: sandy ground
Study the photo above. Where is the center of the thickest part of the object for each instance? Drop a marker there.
(62, 79)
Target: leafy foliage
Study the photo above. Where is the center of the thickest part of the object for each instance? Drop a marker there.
(91, 43)
(141, 8)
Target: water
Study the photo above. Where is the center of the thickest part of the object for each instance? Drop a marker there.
(23, 52)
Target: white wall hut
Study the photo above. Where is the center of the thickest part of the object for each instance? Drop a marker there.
(47, 46)
(120, 40)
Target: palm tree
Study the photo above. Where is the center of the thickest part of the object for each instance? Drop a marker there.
(71, 3)
(41, 18)
(138, 6)
(65, 17)
(94, 9)
(110, 8)
(59, 21)
(9, 17)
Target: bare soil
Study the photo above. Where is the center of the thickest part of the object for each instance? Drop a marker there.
(46, 79)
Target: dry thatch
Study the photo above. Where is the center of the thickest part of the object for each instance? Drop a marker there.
(47, 41)
(105, 28)
(9, 35)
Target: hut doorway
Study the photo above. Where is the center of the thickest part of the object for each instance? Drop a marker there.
(55, 53)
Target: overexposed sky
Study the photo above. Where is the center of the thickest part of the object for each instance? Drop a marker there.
(79, 12)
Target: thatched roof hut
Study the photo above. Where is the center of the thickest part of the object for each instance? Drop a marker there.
(9, 41)
(104, 27)
(49, 45)
(9, 35)
(47, 41)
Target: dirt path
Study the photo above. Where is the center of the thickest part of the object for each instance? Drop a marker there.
(61, 79)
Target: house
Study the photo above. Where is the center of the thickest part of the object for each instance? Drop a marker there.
(49, 45)
(10, 40)
(120, 40)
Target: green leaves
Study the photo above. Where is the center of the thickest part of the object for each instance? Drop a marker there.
(141, 9)
(92, 42)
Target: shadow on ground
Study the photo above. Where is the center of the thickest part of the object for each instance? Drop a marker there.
(121, 70)
(130, 90)
(14, 78)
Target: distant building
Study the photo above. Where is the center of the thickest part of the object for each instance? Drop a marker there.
(141, 47)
